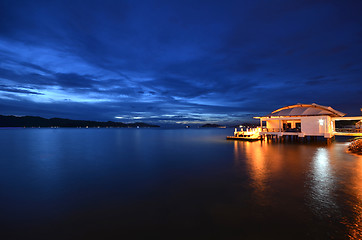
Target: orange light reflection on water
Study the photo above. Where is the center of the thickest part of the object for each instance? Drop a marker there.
(261, 163)
(322, 182)
(355, 227)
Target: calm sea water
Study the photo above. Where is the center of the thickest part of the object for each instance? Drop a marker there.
(174, 184)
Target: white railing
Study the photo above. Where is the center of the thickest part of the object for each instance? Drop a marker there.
(280, 130)
(349, 130)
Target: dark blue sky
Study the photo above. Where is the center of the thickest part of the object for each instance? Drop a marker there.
(178, 61)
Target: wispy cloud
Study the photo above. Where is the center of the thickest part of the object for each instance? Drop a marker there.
(177, 61)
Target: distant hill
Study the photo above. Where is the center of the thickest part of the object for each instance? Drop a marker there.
(30, 121)
(210, 125)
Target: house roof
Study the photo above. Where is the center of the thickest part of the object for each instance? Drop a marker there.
(306, 110)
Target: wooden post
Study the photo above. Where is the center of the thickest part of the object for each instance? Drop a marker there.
(279, 127)
(261, 124)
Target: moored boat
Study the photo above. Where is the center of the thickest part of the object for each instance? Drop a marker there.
(248, 135)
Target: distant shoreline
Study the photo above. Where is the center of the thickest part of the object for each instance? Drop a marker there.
(39, 122)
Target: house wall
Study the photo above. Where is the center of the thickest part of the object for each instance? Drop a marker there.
(272, 124)
(310, 125)
(316, 125)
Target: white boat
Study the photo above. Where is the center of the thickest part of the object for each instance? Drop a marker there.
(251, 134)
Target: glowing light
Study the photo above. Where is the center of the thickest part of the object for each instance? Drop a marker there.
(321, 121)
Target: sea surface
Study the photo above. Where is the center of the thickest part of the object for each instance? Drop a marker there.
(174, 184)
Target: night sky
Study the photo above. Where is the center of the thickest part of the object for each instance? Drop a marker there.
(168, 62)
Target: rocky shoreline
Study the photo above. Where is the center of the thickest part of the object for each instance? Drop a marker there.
(356, 146)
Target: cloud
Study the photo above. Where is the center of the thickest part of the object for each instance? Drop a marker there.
(4, 88)
(188, 59)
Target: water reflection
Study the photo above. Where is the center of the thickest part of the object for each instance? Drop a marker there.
(355, 225)
(322, 184)
(257, 168)
(262, 163)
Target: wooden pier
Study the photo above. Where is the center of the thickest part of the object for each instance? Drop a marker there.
(296, 138)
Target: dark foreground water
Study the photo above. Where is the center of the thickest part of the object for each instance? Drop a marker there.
(174, 184)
